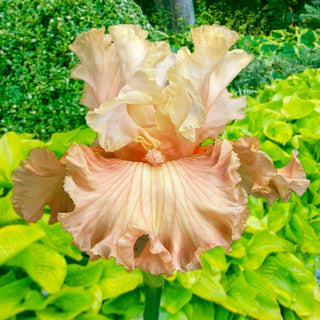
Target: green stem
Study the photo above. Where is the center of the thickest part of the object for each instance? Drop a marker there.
(153, 288)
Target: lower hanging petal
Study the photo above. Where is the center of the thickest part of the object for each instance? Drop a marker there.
(260, 178)
(37, 182)
(159, 218)
(295, 175)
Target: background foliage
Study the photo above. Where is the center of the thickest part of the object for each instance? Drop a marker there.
(37, 94)
(270, 272)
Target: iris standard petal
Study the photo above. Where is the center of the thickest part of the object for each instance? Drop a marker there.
(198, 103)
(120, 122)
(224, 109)
(159, 218)
(99, 67)
(39, 182)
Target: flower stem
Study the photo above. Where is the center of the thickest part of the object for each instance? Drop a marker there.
(153, 288)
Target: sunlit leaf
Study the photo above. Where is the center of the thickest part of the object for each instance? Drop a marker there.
(174, 297)
(44, 265)
(116, 280)
(15, 238)
(66, 304)
(79, 276)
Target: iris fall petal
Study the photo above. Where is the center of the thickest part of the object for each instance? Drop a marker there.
(260, 178)
(166, 214)
(37, 182)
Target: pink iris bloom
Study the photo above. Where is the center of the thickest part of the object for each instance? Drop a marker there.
(146, 193)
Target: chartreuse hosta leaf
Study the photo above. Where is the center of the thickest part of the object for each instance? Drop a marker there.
(15, 238)
(66, 304)
(115, 280)
(43, 264)
(7, 214)
(260, 246)
(97, 295)
(79, 276)
(305, 235)
(13, 149)
(294, 285)
(92, 317)
(174, 297)
(58, 239)
(297, 108)
(278, 131)
(61, 141)
(17, 296)
(278, 216)
(199, 309)
(129, 305)
(208, 287)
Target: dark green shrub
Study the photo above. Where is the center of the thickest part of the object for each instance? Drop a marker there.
(37, 94)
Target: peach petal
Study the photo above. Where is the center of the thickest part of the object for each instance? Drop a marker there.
(165, 214)
(189, 75)
(39, 182)
(224, 109)
(99, 67)
(228, 68)
(295, 175)
(259, 176)
(117, 128)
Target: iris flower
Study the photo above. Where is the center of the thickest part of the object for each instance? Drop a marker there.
(146, 193)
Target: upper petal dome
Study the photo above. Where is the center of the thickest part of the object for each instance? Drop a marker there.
(122, 60)
(37, 182)
(155, 88)
(199, 80)
(158, 218)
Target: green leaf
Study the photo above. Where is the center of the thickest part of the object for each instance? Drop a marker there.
(305, 235)
(79, 276)
(188, 279)
(214, 260)
(278, 216)
(276, 153)
(15, 238)
(168, 316)
(116, 280)
(58, 239)
(240, 297)
(7, 278)
(260, 246)
(209, 287)
(308, 38)
(254, 225)
(13, 149)
(66, 304)
(200, 309)
(297, 109)
(44, 265)
(11, 297)
(61, 141)
(97, 294)
(91, 317)
(7, 214)
(278, 131)
(174, 297)
(268, 307)
(295, 286)
(129, 304)
(17, 297)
